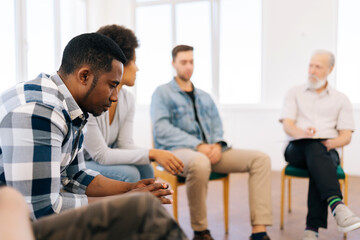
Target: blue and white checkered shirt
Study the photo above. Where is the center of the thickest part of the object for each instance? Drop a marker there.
(41, 145)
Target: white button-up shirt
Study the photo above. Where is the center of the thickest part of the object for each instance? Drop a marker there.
(328, 112)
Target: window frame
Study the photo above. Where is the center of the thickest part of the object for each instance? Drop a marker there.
(215, 44)
(21, 44)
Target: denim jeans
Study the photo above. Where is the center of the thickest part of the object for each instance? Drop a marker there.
(121, 172)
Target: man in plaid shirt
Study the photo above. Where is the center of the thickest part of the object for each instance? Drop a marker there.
(41, 137)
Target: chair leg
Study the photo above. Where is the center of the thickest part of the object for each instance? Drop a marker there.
(282, 199)
(226, 203)
(175, 202)
(289, 193)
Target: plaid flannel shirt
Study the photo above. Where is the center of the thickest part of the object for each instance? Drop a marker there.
(41, 145)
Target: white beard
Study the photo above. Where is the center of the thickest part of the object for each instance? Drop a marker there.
(319, 83)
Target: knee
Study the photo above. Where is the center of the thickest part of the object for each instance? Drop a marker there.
(126, 174)
(263, 161)
(132, 176)
(146, 171)
(200, 164)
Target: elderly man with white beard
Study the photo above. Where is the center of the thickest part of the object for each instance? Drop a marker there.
(319, 119)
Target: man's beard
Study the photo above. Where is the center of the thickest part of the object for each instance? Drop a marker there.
(314, 85)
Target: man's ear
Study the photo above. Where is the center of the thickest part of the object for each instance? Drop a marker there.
(84, 75)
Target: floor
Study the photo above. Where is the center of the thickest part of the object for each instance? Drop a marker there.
(239, 223)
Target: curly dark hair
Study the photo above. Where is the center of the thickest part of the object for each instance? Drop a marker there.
(123, 36)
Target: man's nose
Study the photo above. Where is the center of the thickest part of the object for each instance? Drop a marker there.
(114, 95)
(311, 70)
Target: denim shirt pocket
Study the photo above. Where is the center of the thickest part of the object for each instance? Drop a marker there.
(178, 114)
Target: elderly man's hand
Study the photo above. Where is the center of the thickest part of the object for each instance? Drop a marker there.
(329, 144)
(309, 132)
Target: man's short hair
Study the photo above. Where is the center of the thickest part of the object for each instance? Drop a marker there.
(181, 48)
(326, 52)
(92, 49)
(123, 36)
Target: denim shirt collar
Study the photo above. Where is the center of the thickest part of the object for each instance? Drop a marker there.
(175, 86)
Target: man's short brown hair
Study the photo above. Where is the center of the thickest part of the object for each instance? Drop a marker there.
(181, 48)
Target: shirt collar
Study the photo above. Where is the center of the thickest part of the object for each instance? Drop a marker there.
(328, 89)
(69, 101)
(176, 87)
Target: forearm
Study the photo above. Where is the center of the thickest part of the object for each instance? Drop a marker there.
(343, 139)
(292, 130)
(102, 186)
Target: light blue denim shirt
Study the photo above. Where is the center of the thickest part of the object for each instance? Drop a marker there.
(173, 118)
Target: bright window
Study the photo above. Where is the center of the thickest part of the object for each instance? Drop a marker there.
(240, 51)
(36, 31)
(40, 37)
(7, 44)
(153, 29)
(193, 28)
(72, 20)
(225, 34)
(348, 49)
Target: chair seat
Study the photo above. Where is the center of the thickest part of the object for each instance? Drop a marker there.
(300, 172)
(213, 176)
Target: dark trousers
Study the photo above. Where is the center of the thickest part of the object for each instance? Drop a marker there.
(312, 155)
(135, 216)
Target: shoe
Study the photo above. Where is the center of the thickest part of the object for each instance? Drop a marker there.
(346, 219)
(266, 237)
(310, 235)
(204, 235)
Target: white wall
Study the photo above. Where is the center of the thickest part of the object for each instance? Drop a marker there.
(292, 30)
(103, 12)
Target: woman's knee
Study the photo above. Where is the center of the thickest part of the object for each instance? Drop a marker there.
(146, 171)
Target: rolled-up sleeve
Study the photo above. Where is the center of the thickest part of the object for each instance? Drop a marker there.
(346, 116)
(289, 108)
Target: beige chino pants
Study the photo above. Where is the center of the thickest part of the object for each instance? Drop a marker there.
(197, 171)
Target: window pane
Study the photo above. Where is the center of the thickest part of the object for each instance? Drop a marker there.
(348, 49)
(40, 37)
(193, 27)
(73, 20)
(7, 44)
(240, 51)
(153, 29)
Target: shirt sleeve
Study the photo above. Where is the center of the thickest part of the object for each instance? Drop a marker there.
(31, 138)
(124, 151)
(289, 109)
(346, 116)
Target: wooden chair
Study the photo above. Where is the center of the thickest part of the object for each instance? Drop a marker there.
(176, 181)
(290, 172)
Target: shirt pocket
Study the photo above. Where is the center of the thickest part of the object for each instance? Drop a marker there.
(178, 113)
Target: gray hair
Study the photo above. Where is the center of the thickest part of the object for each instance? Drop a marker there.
(330, 55)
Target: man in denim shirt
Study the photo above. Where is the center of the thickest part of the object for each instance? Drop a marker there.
(186, 121)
